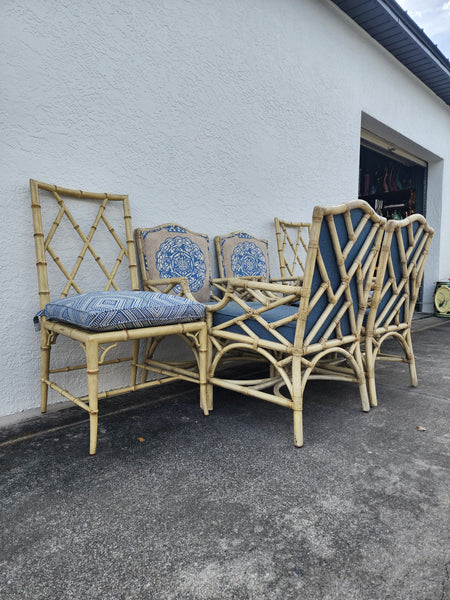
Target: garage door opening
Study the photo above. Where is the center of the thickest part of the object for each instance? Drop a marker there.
(391, 180)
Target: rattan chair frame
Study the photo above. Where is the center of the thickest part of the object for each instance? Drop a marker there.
(292, 239)
(96, 345)
(293, 364)
(387, 322)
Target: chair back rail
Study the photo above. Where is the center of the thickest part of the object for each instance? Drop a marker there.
(292, 245)
(57, 202)
(403, 255)
(402, 262)
(342, 254)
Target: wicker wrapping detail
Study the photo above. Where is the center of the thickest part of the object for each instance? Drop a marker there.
(403, 255)
(303, 331)
(292, 245)
(105, 245)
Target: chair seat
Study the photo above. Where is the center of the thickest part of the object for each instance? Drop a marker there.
(233, 309)
(110, 311)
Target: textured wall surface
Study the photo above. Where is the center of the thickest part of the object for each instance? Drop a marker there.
(218, 115)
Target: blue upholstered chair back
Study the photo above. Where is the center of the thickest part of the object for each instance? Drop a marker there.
(347, 238)
(405, 245)
(342, 253)
(171, 250)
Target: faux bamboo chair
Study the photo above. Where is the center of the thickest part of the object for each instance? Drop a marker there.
(99, 253)
(402, 261)
(292, 244)
(294, 328)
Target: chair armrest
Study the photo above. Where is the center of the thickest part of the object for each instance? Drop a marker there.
(243, 290)
(156, 285)
(296, 280)
(221, 284)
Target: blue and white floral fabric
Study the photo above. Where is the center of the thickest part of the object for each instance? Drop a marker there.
(110, 311)
(243, 255)
(173, 251)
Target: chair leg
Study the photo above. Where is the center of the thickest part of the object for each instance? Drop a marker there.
(372, 390)
(413, 373)
(209, 397)
(209, 386)
(134, 360)
(45, 368)
(362, 380)
(370, 373)
(203, 369)
(298, 428)
(297, 400)
(364, 395)
(411, 360)
(92, 375)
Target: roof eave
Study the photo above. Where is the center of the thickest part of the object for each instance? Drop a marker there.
(393, 28)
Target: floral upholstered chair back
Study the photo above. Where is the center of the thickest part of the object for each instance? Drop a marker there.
(239, 254)
(169, 251)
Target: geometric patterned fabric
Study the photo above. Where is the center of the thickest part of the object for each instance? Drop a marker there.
(110, 311)
(242, 255)
(173, 251)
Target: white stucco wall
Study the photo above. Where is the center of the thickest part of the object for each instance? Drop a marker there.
(218, 115)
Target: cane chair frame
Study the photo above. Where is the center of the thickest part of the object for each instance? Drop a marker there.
(96, 345)
(294, 362)
(291, 239)
(395, 295)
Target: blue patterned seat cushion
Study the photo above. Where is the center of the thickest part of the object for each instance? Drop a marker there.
(109, 311)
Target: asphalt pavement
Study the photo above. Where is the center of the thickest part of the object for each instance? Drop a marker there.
(176, 505)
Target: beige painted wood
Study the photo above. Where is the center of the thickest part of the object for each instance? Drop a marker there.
(292, 245)
(403, 255)
(54, 205)
(325, 351)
